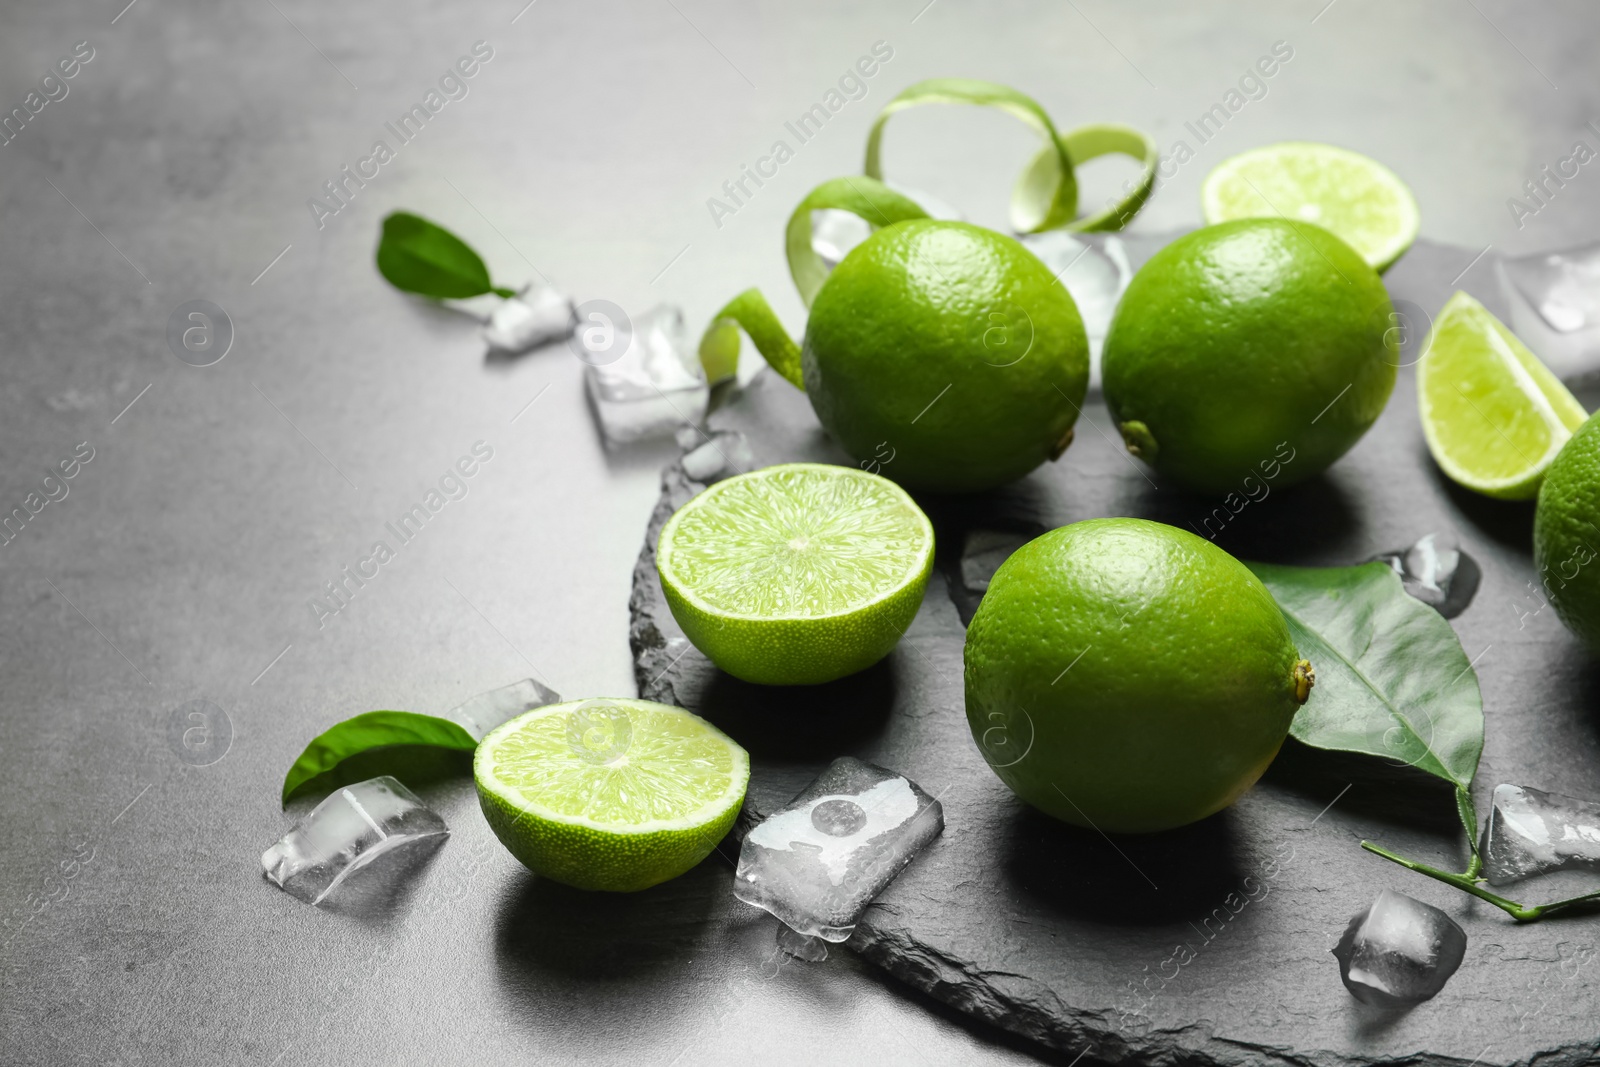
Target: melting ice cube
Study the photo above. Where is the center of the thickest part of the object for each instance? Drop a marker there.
(819, 862)
(347, 831)
(1399, 951)
(1436, 572)
(536, 316)
(1095, 276)
(1533, 832)
(654, 387)
(1555, 307)
(712, 458)
(487, 710)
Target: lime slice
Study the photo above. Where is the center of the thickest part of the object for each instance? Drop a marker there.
(1493, 414)
(1359, 199)
(796, 574)
(612, 794)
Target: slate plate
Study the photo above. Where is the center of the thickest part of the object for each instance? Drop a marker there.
(1210, 944)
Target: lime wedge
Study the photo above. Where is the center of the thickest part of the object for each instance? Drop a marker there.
(1359, 199)
(1493, 414)
(796, 574)
(612, 794)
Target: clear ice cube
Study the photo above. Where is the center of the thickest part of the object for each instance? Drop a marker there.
(536, 316)
(819, 862)
(1437, 572)
(1555, 307)
(720, 455)
(834, 233)
(1399, 951)
(1533, 832)
(487, 710)
(1095, 276)
(654, 387)
(351, 828)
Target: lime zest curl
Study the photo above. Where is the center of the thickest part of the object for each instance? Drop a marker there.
(866, 198)
(719, 346)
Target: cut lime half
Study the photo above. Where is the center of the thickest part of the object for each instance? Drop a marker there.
(613, 793)
(796, 574)
(1358, 199)
(1494, 416)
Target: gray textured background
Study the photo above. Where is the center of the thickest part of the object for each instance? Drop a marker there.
(180, 564)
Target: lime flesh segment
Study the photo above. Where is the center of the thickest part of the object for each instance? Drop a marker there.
(796, 574)
(612, 794)
(1494, 416)
(1357, 198)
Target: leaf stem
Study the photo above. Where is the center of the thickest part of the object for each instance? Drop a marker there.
(1467, 883)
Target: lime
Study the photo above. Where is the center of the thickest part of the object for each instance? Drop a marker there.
(1494, 416)
(947, 353)
(610, 794)
(1249, 352)
(796, 574)
(1129, 676)
(1360, 199)
(1566, 533)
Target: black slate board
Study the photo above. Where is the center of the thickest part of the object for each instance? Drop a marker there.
(1073, 939)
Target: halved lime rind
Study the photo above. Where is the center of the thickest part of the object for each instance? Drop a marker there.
(1357, 198)
(796, 574)
(614, 794)
(1493, 415)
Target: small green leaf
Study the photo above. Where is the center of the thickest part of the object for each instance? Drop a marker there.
(418, 256)
(1392, 679)
(375, 729)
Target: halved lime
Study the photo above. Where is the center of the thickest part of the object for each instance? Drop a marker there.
(796, 574)
(1358, 199)
(613, 793)
(1493, 414)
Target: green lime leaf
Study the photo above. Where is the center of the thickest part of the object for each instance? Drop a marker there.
(719, 346)
(1045, 195)
(375, 729)
(1392, 679)
(866, 198)
(418, 256)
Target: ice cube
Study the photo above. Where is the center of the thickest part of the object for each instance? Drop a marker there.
(1533, 832)
(654, 387)
(819, 862)
(721, 455)
(347, 831)
(535, 316)
(834, 233)
(1095, 276)
(1399, 951)
(487, 710)
(1555, 307)
(1436, 572)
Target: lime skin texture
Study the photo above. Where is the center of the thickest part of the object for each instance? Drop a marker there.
(951, 348)
(1566, 533)
(1140, 677)
(1243, 338)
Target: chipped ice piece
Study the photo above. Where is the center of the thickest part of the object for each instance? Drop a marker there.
(801, 946)
(1555, 307)
(487, 710)
(1533, 832)
(654, 387)
(1095, 274)
(1399, 951)
(819, 862)
(721, 455)
(351, 828)
(1437, 572)
(535, 316)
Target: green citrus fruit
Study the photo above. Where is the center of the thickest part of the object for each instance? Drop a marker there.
(1255, 349)
(947, 353)
(1129, 676)
(796, 574)
(1494, 416)
(610, 794)
(1360, 199)
(1566, 533)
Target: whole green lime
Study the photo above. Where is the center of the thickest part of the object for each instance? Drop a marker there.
(947, 355)
(1260, 349)
(1566, 533)
(1129, 676)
